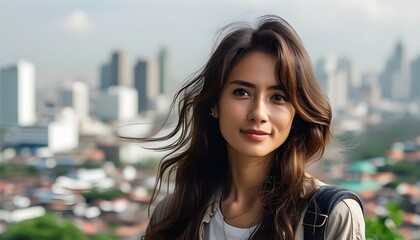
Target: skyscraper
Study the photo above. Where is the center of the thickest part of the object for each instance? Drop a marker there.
(395, 80)
(140, 79)
(17, 95)
(105, 77)
(352, 71)
(163, 70)
(114, 72)
(118, 69)
(415, 78)
(146, 81)
(77, 96)
(333, 76)
(118, 103)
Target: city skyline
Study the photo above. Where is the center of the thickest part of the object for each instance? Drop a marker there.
(70, 40)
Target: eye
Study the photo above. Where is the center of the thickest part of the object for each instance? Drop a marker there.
(279, 98)
(240, 92)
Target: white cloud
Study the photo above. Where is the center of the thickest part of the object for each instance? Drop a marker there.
(77, 22)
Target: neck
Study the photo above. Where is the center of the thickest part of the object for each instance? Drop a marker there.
(247, 174)
(241, 205)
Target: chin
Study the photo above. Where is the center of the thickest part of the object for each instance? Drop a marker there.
(257, 154)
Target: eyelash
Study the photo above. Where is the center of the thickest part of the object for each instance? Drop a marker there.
(283, 98)
(243, 92)
(240, 90)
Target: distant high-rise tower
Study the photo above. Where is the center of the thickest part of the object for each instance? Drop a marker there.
(118, 103)
(340, 79)
(146, 81)
(17, 95)
(114, 72)
(163, 70)
(118, 69)
(415, 78)
(105, 77)
(333, 76)
(77, 96)
(352, 73)
(395, 80)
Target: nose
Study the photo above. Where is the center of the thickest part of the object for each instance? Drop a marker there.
(259, 111)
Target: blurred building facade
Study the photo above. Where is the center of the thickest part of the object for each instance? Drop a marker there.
(415, 79)
(17, 95)
(76, 95)
(114, 73)
(337, 78)
(395, 79)
(146, 82)
(163, 70)
(118, 103)
(59, 134)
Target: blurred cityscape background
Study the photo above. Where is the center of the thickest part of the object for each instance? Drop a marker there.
(75, 75)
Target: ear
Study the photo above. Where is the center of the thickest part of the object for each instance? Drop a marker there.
(214, 111)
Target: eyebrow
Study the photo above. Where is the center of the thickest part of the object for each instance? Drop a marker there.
(251, 85)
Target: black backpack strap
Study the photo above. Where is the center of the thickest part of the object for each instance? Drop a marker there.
(319, 208)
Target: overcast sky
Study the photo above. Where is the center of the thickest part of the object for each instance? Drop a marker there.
(70, 39)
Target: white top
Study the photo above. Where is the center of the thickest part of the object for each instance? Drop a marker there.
(219, 229)
(346, 220)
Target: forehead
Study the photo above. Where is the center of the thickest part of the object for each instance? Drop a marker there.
(257, 67)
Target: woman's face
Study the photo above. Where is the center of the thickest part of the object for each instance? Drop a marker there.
(255, 115)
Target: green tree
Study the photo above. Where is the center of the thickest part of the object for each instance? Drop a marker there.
(45, 228)
(377, 139)
(385, 227)
(107, 194)
(91, 165)
(49, 228)
(12, 171)
(407, 172)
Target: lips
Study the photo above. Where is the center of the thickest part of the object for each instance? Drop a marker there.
(255, 135)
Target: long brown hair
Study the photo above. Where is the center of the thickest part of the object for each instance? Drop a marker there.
(198, 156)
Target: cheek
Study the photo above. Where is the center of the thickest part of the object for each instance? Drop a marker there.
(231, 114)
(284, 121)
(231, 109)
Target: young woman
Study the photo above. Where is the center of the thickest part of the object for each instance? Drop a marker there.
(250, 122)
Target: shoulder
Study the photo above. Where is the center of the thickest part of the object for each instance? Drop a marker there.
(346, 221)
(164, 207)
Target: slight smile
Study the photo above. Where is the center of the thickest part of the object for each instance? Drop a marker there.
(255, 135)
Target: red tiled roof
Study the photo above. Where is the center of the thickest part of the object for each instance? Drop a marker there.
(127, 231)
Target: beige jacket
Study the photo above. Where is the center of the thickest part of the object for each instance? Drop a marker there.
(346, 222)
